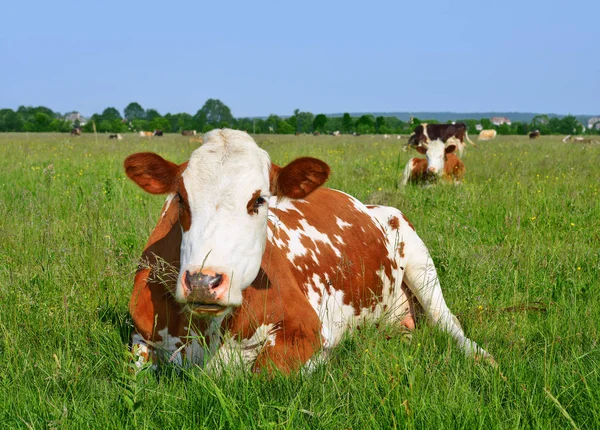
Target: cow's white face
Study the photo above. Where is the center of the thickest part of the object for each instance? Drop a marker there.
(222, 193)
(436, 155)
(225, 189)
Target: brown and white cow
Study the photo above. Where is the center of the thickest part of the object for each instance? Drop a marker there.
(146, 133)
(487, 135)
(76, 131)
(255, 265)
(188, 133)
(425, 133)
(440, 162)
(534, 134)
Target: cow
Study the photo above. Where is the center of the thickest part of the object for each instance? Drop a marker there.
(534, 134)
(257, 267)
(188, 133)
(424, 133)
(487, 135)
(115, 136)
(440, 163)
(76, 131)
(146, 133)
(578, 139)
(336, 133)
(157, 133)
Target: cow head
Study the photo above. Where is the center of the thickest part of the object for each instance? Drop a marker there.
(223, 194)
(419, 136)
(435, 152)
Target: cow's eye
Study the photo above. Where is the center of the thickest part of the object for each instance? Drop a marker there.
(260, 201)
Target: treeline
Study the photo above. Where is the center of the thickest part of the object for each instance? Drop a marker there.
(215, 114)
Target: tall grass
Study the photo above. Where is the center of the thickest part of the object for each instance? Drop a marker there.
(517, 247)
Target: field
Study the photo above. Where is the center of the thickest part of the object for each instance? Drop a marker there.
(517, 247)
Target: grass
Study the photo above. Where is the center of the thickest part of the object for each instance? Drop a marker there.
(517, 247)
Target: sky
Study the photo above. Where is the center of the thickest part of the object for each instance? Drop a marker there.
(271, 57)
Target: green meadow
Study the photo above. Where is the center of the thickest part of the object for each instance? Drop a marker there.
(517, 248)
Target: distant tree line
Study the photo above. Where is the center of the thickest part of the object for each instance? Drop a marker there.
(215, 114)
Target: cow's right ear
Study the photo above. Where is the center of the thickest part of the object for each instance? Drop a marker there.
(152, 172)
(299, 178)
(421, 149)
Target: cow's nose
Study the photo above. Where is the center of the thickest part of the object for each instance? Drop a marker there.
(201, 280)
(432, 169)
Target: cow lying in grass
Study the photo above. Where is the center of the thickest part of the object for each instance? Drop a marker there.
(440, 162)
(254, 265)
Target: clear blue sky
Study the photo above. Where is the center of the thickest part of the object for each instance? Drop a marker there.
(262, 57)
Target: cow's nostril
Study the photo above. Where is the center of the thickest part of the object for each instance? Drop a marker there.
(201, 280)
(215, 281)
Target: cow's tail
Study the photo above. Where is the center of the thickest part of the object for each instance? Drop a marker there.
(469, 140)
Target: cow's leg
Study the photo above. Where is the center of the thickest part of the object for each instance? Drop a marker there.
(295, 344)
(421, 278)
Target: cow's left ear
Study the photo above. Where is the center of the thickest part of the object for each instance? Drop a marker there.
(450, 148)
(299, 178)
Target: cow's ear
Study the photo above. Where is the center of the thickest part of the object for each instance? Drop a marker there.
(421, 149)
(299, 178)
(152, 172)
(450, 148)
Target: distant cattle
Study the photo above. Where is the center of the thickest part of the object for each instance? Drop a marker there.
(336, 133)
(116, 136)
(425, 133)
(487, 135)
(146, 133)
(440, 162)
(578, 139)
(157, 133)
(188, 133)
(255, 266)
(76, 131)
(534, 134)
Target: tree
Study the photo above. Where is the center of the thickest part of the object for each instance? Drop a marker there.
(110, 114)
(304, 121)
(134, 111)
(570, 125)
(214, 112)
(159, 123)
(365, 124)
(10, 121)
(347, 123)
(380, 124)
(152, 114)
(271, 124)
(284, 127)
(319, 123)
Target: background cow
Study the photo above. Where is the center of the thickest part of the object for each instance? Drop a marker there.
(188, 133)
(254, 265)
(487, 135)
(579, 139)
(426, 133)
(157, 133)
(76, 131)
(115, 136)
(146, 133)
(440, 162)
(534, 134)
